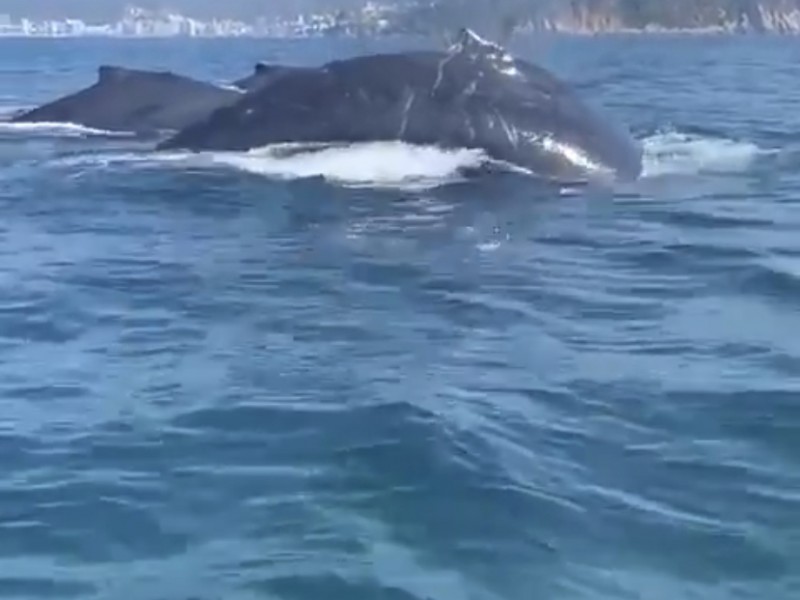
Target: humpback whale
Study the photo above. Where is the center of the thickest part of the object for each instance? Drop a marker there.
(137, 101)
(473, 95)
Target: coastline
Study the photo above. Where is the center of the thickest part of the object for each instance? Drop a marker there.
(655, 32)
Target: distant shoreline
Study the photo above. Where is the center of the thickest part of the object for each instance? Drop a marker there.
(577, 32)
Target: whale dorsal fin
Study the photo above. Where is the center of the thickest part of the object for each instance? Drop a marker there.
(262, 68)
(110, 73)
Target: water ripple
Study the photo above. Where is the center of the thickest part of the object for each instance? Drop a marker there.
(241, 381)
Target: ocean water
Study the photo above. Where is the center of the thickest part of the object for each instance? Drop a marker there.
(352, 374)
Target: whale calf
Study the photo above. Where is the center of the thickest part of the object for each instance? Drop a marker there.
(474, 95)
(137, 101)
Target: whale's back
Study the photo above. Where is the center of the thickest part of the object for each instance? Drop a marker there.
(125, 99)
(473, 96)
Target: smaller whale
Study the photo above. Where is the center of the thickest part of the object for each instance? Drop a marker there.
(135, 101)
(473, 96)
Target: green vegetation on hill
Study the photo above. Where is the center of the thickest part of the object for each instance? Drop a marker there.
(612, 15)
(432, 16)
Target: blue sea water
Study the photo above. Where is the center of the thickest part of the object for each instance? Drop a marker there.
(353, 375)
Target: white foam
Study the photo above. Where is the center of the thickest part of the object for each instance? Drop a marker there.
(56, 129)
(398, 164)
(368, 164)
(127, 159)
(231, 87)
(674, 153)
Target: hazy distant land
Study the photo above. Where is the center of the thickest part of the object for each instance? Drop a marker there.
(436, 16)
(601, 16)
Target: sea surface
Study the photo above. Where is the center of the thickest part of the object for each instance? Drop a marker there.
(353, 374)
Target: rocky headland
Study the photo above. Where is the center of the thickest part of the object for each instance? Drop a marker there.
(615, 16)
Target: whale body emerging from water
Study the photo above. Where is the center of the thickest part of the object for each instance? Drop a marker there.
(135, 101)
(475, 95)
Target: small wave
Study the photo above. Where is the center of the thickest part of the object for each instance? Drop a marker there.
(57, 129)
(676, 153)
(127, 159)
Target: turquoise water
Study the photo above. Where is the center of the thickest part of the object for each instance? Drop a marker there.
(355, 375)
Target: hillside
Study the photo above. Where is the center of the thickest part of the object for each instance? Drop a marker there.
(595, 16)
(433, 16)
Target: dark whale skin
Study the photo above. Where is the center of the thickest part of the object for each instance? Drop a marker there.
(137, 101)
(473, 96)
